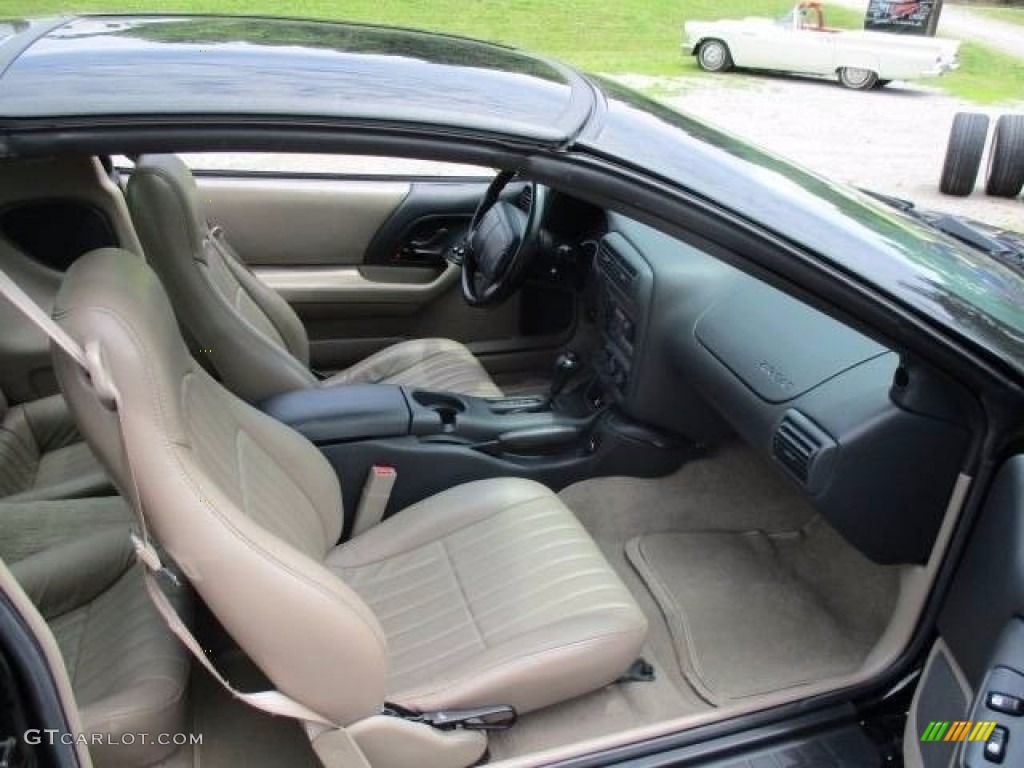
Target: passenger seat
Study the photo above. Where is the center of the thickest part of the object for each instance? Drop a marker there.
(129, 674)
(490, 593)
(42, 455)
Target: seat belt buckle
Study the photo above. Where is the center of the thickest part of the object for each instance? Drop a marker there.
(373, 502)
(146, 554)
(497, 717)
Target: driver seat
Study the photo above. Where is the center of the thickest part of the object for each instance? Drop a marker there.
(253, 338)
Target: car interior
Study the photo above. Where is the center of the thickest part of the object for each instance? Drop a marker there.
(582, 484)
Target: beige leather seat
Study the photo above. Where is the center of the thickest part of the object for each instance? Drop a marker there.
(129, 674)
(42, 456)
(254, 339)
(489, 593)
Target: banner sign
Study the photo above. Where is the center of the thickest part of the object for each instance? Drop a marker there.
(908, 17)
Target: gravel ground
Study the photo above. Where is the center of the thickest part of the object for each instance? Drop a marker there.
(891, 140)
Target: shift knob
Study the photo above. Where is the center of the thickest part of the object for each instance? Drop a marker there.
(566, 365)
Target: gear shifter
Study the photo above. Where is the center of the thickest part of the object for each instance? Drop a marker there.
(566, 366)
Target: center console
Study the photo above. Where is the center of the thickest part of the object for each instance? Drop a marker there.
(622, 297)
(435, 440)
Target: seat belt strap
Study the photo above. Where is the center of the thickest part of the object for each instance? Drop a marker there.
(272, 702)
(28, 307)
(91, 361)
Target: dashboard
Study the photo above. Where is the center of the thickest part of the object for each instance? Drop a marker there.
(692, 345)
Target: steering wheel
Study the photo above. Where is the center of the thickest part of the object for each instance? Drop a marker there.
(501, 241)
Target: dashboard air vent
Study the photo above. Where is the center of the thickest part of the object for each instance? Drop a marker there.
(616, 268)
(800, 445)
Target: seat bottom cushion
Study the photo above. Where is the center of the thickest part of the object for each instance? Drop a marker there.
(128, 672)
(438, 364)
(492, 593)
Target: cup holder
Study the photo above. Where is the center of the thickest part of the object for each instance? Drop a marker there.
(447, 407)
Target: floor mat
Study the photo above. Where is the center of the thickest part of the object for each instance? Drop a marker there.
(743, 620)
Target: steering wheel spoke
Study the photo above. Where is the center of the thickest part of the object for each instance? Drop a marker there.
(501, 241)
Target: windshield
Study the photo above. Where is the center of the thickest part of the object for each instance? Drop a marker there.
(980, 281)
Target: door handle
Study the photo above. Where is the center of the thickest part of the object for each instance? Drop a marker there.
(431, 247)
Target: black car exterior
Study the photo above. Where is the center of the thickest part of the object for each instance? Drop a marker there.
(137, 83)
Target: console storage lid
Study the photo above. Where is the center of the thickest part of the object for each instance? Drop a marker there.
(344, 413)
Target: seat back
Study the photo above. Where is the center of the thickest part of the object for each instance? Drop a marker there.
(19, 452)
(245, 506)
(255, 340)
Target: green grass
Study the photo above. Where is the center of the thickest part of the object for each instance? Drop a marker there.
(629, 36)
(986, 76)
(641, 36)
(1011, 15)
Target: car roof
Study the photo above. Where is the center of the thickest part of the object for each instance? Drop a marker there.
(161, 64)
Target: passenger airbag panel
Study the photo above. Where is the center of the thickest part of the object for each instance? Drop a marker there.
(780, 349)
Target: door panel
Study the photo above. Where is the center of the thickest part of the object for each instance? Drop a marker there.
(432, 216)
(981, 643)
(361, 260)
(762, 46)
(299, 222)
(942, 695)
(816, 51)
(408, 287)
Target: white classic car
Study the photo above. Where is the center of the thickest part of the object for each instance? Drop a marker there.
(800, 42)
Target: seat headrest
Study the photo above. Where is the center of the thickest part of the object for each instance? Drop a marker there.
(121, 286)
(175, 177)
(112, 298)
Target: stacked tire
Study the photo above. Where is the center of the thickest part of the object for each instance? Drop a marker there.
(1006, 158)
(967, 140)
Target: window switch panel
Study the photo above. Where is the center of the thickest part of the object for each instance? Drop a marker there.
(1005, 703)
(995, 747)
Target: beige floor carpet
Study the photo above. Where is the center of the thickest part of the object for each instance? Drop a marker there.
(743, 620)
(731, 491)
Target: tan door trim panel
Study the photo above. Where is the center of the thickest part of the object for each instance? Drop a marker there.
(280, 222)
(350, 285)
